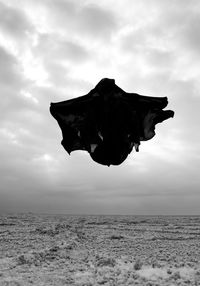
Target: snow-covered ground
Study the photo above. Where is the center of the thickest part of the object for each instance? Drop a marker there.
(99, 250)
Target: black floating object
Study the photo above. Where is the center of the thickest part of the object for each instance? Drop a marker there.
(108, 122)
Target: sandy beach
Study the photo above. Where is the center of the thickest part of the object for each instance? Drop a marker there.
(99, 250)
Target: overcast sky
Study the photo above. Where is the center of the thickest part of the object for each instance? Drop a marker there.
(53, 50)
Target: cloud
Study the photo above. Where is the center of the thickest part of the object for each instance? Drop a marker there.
(11, 83)
(97, 21)
(57, 55)
(10, 73)
(57, 49)
(81, 20)
(191, 30)
(14, 21)
(167, 39)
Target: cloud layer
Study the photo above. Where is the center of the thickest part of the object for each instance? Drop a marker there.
(55, 50)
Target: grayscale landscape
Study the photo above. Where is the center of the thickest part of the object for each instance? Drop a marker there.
(58, 50)
(99, 250)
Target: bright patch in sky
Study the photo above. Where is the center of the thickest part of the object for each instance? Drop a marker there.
(33, 69)
(29, 96)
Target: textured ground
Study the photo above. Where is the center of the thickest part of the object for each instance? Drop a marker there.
(99, 250)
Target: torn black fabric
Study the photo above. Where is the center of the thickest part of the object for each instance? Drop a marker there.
(108, 122)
